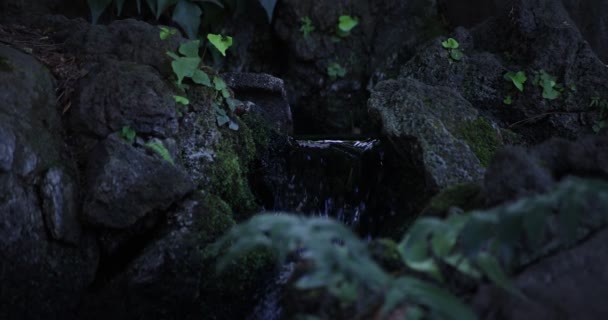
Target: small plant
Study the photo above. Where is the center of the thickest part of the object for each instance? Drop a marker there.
(551, 89)
(165, 33)
(345, 25)
(306, 26)
(508, 100)
(335, 70)
(187, 65)
(452, 46)
(159, 148)
(128, 134)
(518, 79)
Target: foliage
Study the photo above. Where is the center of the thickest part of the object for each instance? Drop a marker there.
(306, 27)
(220, 42)
(187, 14)
(161, 150)
(346, 24)
(518, 79)
(128, 134)
(342, 263)
(508, 100)
(602, 105)
(188, 65)
(475, 244)
(335, 70)
(551, 89)
(452, 46)
(165, 33)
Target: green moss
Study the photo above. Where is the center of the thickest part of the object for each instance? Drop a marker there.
(481, 137)
(216, 220)
(261, 130)
(5, 65)
(228, 173)
(465, 196)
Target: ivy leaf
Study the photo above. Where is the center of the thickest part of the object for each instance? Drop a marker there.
(184, 67)
(172, 55)
(233, 103)
(188, 16)
(181, 100)
(269, 8)
(200, 77)
(97, 7)
(222, 120)
(190, 48)
(220, 42)
(347, 23)
(508, 100)
(218, 83)
(450, 43)
(456, 54)
(518, 79)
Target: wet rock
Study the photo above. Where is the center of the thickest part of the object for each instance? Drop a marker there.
(117, 94)
(426, 120)
(267, 93)
(125, 184)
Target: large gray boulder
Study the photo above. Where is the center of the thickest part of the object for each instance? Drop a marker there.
(46, 260)
(427, 121)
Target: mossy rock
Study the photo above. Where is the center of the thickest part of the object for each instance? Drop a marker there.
(466, 196)
(483, 139)
(229, 171)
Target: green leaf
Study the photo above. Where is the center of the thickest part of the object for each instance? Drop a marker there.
(450, 43)
(222, 120)
(202, 78)
(233, 103)
(185, 67)
(218, 83)
(491, 268)
(220, 42)
(347, 23)
(518, 79)
(225, 93)
(190, 48)
(456, 54)
(97, 7)
(188, 16)
(172, 55)
(161, 150)
(181, 100)
(162, 6)
(269, 6)
(165, 33)
(508, 100)
(128, 134)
